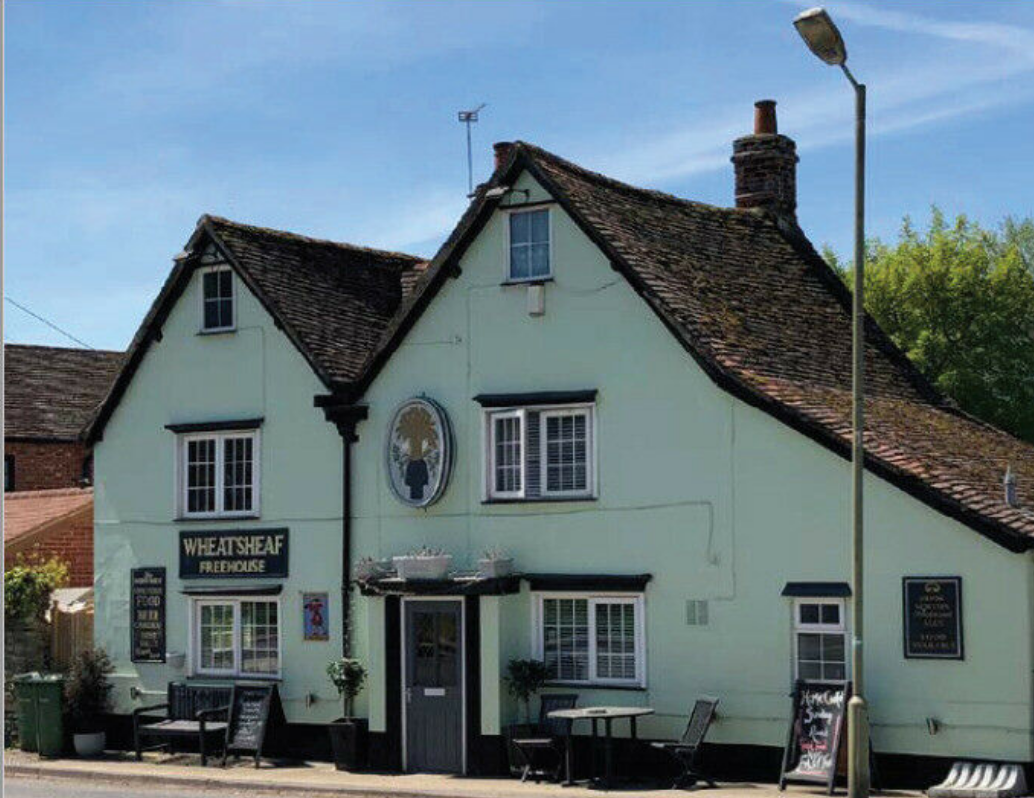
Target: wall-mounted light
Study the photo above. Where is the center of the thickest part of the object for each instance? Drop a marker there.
(933, 725)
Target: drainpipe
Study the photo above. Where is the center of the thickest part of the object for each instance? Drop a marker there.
(345, 417)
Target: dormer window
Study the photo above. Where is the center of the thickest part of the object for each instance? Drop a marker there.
(217, 311)
(530, 256)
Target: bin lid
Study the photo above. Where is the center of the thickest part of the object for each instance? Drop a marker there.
(35, 677)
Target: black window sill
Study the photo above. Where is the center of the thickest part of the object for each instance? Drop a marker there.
(536, 281)
(543, 500)
(628, 688)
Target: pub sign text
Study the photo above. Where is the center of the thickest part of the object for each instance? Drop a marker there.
(933, 617)
(256, 553)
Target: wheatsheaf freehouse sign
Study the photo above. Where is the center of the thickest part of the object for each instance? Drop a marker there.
(237, 553)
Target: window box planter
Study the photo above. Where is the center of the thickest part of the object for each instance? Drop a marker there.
(495, 568)
(419, 566)
(349, 739)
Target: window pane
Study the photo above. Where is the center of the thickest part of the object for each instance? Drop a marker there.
(217, 299)
(809, 613)
(211, 314)
(225, 283)
(615, 641)
(831, 614)
(809, 670)
(260, 637)
(809, 646)
(833, 648)
(566, 638)
(216, 628)
(508, 454)
(831, 671)
(520, 261)
(520, 228)
(200, 476)
(539, 260)
(567, 453)
(539, 232)
(238, 470)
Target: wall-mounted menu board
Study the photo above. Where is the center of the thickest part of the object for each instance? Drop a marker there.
(933, 617)
(816, 731)
(147, 622)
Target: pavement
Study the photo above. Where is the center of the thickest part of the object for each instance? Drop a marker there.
(181, 775)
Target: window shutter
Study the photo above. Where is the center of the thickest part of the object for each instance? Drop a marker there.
(533, 456)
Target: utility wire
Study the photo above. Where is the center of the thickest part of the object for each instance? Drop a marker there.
(48, 323)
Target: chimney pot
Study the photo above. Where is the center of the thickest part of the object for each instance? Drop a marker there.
(502, 153)
(765, 164)
(765, 118)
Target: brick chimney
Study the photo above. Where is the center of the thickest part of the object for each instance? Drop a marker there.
(766, 165)
(502, 152)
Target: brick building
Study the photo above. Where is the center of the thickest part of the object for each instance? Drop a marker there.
(49, 395)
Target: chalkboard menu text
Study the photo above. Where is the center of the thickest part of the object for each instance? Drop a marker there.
(933, 617)
(249, 716)
(816, 731)
(147, 595)
(237, 553)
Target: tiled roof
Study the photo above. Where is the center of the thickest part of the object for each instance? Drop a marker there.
(50, 392)
(29, 510)
(337, 298)
(753, 303)
(333, 300)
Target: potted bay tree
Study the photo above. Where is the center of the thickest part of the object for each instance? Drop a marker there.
(88, 699)
(524, 679)
(349, 734)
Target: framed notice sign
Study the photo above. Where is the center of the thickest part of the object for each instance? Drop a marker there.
(315, 623)
(932, 617)
(147, 622)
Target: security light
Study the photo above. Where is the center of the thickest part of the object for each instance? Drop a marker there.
(821, 35)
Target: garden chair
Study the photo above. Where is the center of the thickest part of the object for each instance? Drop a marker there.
(543, 751)
(686, 752)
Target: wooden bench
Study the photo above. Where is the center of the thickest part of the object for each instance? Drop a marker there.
(199, 712)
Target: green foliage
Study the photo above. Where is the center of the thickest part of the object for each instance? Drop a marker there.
(88, 691)
(27, 588)
(348, 676)
(524, 678)
(959, 300)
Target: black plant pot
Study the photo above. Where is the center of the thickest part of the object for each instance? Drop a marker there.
(350, 741)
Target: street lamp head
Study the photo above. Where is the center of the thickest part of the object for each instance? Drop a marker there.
(821, 35)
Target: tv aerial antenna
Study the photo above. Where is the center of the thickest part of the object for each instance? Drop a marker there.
(469, 118)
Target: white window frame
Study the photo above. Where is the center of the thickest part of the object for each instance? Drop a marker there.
(508, 276)
(637, 600)
(236, 672)
(220, 439)
(201, 299)
(488, 491)
(491, 417)
(589, 411)
(800, 627)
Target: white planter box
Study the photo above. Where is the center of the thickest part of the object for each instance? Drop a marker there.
(495, 569)
(418, 567)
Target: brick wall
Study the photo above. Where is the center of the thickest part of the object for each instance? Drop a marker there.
(43, 466)
(71, 542)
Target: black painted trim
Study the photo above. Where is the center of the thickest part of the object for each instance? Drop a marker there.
(393, 586)
(817, 589)
(472, 681)
(216, 426)
(261, 590)
(393, 682)
(536, 398)
(632, 583)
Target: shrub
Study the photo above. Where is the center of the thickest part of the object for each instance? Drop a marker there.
(348, 676)
(524, 678)
(27, 588)
(88, 691)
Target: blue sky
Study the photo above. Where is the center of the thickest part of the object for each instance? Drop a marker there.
(127, 120)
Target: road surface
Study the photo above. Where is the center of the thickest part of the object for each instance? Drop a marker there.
(65, 788)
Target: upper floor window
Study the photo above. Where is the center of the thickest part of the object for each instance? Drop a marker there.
(540, 452)
(820, 633)
(591, 639)
(217, 310)
(220, 474)
(530, 254)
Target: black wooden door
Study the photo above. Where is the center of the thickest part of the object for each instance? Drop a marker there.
(433, 700)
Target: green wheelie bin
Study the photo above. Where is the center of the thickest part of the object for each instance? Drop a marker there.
(40, 726)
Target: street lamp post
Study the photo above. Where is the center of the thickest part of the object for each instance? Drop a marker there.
(824, 40)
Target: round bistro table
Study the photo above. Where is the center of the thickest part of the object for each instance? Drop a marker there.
(596, 714)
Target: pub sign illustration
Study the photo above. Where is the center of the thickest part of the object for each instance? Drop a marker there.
(419, 452)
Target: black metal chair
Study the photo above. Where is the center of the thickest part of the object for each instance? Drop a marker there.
(686, 752)
(543, 752)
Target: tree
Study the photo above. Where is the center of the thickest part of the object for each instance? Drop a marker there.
(959, 301)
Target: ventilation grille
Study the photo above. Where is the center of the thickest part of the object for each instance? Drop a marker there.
(696, 612)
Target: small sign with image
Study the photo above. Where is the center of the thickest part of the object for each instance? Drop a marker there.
(315, 611)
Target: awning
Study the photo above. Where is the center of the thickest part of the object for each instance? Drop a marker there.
(462, 585)
(621, 583)
(817, 589)
(240, 590)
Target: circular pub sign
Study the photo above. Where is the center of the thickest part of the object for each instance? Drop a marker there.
(419, 452)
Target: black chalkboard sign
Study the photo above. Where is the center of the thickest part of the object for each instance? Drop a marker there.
(816, 731)
(932, 617)
(249, 717)
(147, 622)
